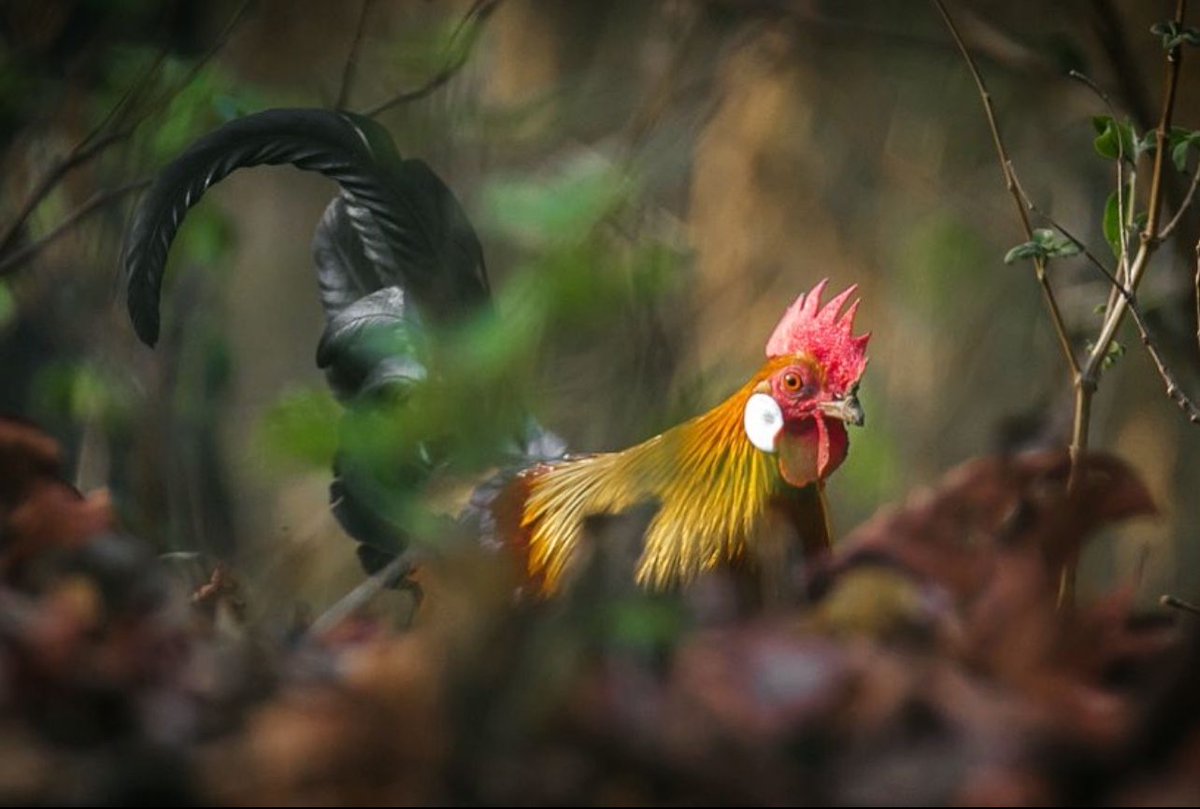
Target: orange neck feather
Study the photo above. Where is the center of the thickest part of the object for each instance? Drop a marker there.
(712, 487)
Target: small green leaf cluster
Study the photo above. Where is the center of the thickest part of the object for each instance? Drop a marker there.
(1173, 34)
(1045, 245)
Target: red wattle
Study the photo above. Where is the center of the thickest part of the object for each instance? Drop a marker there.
(823, 453)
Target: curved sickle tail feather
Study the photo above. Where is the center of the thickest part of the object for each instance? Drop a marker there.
(408, 225)
(393, 251)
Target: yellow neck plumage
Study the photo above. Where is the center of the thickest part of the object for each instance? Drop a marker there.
(711, 484)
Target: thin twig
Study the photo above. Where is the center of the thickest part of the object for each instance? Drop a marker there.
(475, 17)
(1009, 182)
(1179, 604)
(22, 255)
(76, 157)
(655, 102)
(1183, 206)
(1174, 391)
(217, 45)
(93, 144)
(352, 57)
(1118, 287)
(353, 601)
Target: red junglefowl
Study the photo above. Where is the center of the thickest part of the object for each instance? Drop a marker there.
(395, 251)
(716, 476)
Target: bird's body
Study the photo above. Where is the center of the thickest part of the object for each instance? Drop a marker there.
(395, 252)
(710, 484)
(713, 479)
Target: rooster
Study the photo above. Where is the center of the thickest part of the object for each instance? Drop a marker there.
(395, 249)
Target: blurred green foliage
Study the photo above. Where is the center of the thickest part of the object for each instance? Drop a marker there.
(471, 408)
(302, 427)
(82, 392)
(8, 305)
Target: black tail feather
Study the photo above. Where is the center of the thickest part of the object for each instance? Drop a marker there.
(408, 224)
(394, 251)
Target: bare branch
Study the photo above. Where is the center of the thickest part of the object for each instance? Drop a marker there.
(93, 144)
(19, 257)
(357, 598)
(352, 57)
(1011, 184)
(469, 29)
(76, 157)
(1179, 604)
(1174, 391)
(1183, 206)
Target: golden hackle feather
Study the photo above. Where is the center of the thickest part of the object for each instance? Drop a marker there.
(712, 487)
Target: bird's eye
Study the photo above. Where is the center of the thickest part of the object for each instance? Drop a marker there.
(792, 382)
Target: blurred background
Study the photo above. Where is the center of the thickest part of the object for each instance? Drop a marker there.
(690, 167)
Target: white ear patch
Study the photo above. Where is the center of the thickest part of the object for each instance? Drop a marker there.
(763, 420)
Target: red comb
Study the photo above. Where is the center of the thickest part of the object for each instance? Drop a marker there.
(825, 333)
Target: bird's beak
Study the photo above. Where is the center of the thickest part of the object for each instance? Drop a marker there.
(847, 409)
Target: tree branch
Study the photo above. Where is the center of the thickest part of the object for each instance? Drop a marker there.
(94, 144)
(357, 598)
(1179, 604)
(1174, 391)
(352, 57)
(1010, 183)
(1183, 206)
(472, 23)
(17, 258)
(1149, 237)
(1087, 379)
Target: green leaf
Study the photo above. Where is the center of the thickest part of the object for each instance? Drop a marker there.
(1046, 244)
(1115, 139)
(559, 208)
(302, 426)
(1112, 224)
(1181, 141)
(8, 305)
(1024, 250)
(1173, 35)
(1115, 352)
(1179, 155)
(1147, 144)
(79, 392)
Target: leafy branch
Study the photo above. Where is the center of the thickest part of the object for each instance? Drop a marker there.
(1118, 141)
